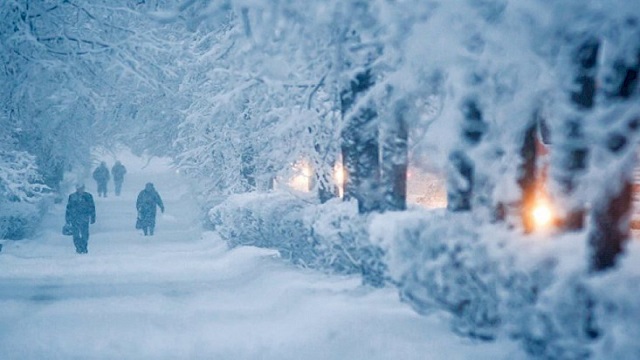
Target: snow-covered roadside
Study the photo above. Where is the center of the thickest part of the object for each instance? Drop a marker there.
(182, 294)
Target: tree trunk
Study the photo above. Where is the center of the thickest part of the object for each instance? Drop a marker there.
(367, 165)
(527, 176)
(611, 227)
(459, 182)
(360, 149)
(327, 188)
(395, 158)
(323, 177)
(248, 170)
(351, 180)
(611, 217)
(461, 174)
(573, 149)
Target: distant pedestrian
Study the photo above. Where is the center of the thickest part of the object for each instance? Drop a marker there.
(81, 211)
(101, 176)
(146, 204)
(117, 171)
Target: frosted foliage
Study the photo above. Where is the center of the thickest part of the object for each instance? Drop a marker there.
(260, 96)
(19, 178)
(22, 194)
(183, 78)
(279, 60)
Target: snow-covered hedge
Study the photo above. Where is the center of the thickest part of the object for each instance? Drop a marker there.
(438, 261)
(341, 241)
(617, 308)
(495, 281)
(536, 289)
(330, 236)
(19, 220)
(270, 220)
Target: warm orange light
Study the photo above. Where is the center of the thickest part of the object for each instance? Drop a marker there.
(542, 213)
(339, 175)
(302, 178)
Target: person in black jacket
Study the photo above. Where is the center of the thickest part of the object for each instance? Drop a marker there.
(146, 204)
(101, 176)
(118, 170)
(81, 211)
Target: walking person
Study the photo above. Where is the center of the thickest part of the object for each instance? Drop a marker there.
(146, 204)
(117, 171)
(101, 176)
(80, 212)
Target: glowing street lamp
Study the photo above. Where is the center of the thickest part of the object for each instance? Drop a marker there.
(301, 181)
(339, 176)
(542, 215)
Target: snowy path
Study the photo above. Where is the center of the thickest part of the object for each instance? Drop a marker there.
(183, 295)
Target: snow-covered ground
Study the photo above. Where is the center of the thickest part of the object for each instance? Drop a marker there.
(182, 294)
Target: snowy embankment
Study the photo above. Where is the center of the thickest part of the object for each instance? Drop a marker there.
(182, 294)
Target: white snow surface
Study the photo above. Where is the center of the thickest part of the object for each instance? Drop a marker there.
(182, 294)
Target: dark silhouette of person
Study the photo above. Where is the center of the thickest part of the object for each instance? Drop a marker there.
(81, 211)
(117, 171)
(146, 204)
(101, 176)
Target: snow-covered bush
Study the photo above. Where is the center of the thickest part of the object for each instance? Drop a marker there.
(22, 194)
(19, 220)
(617, 308)
(438, 261)
(495, 281)
(341, 241)
(331, 237)
(269, 220)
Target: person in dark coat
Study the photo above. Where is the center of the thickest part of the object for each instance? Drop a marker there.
(146, 204)
(117, 171)
(101, 176)
(81, 211)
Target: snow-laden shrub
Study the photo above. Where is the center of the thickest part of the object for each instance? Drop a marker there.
(617, 308)
(18, 220)
(341, 241)
(22, 194)
(332, 236)
(535, 289)
(269, 220)
(438, 262)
